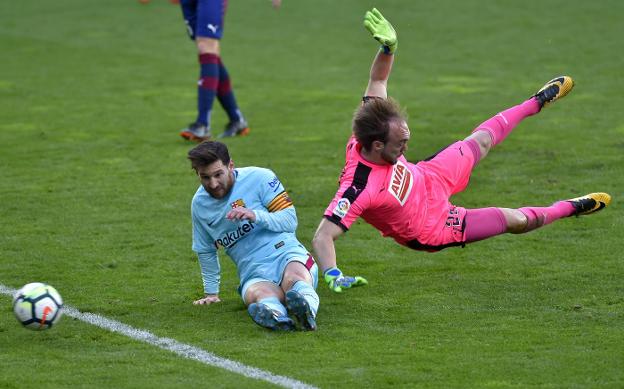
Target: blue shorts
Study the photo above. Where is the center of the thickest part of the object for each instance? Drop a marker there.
(278, 274)
(204, 18)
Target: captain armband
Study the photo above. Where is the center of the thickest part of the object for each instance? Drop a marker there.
(280, 202)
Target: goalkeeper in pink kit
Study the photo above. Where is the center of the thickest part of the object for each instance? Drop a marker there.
(410, 202)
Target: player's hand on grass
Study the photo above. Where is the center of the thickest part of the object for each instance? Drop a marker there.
(338, 281)
(208, 299)
(382, 30)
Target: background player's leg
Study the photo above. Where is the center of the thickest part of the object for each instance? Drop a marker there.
(225, 94)
(207, 86)
(204, 19)
(206, 89)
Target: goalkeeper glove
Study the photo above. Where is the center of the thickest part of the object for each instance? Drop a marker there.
(382, 30)
(338, 281)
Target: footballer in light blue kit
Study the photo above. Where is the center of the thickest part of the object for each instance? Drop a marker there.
(247, 212)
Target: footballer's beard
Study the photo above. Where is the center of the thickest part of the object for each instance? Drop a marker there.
(221, 190)
(391, 159)
(218, 193)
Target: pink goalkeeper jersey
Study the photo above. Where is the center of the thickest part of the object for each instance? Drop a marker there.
(408, 202)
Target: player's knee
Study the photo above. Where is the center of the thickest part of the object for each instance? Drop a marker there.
(295, 271)
(261, 290)
(516, 221)
(483, 140)
(207, 45)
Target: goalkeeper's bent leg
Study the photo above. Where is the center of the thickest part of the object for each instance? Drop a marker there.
(501, 125)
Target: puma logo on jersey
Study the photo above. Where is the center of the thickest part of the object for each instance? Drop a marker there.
(212, 28)
(401, 182)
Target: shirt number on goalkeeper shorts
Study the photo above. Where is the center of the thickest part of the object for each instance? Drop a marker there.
(453, 219)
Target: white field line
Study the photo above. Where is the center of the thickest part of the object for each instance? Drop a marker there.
(183, 350)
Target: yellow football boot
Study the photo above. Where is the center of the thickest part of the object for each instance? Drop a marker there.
(590, 203)
(554, 89)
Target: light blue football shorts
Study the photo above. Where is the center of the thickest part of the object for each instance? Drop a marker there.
(277, 273)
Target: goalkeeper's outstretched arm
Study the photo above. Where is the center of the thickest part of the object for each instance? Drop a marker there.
(384, 33)
(325, 253)
(323, 244)
(380, 71)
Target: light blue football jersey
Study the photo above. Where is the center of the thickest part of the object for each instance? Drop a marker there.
(255, 249)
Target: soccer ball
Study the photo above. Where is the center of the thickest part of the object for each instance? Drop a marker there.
(37, 306)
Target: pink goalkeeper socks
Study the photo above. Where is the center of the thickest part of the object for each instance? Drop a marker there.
(540, 216)
(501, 125)
(483, 223)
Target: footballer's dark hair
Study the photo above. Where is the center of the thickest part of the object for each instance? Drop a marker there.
(207, 153)
(372, 120)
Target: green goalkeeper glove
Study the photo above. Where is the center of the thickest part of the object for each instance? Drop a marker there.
(382, 30)
(338, 281)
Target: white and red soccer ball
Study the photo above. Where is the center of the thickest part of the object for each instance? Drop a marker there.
(37, 306)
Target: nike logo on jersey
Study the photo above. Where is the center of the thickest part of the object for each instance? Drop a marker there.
(401, 182)
(212, 28)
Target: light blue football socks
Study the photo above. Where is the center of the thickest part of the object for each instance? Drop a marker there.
(308, 293)
(274, 304)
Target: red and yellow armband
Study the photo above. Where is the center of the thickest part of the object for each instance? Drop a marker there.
(281, 201)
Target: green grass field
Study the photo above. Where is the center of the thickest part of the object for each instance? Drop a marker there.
(96, 190)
